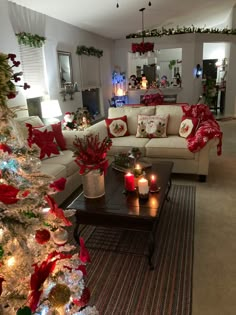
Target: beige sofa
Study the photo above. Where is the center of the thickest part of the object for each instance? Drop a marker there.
(58, 166)
(173, 147)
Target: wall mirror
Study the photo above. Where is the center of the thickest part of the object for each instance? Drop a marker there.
(166, 62)
(65, 67)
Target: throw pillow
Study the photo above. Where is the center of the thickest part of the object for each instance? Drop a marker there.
(188, 126)
(117, 127)
(44, 138)
(152, 126)
(57, 128)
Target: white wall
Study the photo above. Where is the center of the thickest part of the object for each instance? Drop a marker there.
(61, 36)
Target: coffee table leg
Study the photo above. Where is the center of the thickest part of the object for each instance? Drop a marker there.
(168, 189)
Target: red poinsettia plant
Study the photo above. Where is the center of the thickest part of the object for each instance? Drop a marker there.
(91, 153)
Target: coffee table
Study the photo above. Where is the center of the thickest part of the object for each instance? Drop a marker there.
(120, 209)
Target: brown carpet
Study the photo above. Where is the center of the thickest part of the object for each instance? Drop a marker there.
(122, 283)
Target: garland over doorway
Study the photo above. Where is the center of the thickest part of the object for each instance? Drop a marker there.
(181, 30)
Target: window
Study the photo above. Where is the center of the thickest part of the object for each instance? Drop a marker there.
(32, 62)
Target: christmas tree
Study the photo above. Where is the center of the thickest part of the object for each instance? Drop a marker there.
(40, 272)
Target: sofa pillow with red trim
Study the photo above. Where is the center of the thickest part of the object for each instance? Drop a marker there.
(44, 138)
(117, 127)
(188, 126)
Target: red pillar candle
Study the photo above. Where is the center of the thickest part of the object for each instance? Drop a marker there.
(129, 182)
(153, 183)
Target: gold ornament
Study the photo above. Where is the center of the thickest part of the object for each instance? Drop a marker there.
(59, 295)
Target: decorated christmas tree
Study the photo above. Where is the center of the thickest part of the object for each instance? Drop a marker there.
(40, 272)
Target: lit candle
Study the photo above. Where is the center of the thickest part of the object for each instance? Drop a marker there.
(137, 170)
(143, 187)
(129, 182)
(153, 183)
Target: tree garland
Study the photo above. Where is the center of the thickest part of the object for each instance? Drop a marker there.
(89, 51)
(181, 30)
(31, 40)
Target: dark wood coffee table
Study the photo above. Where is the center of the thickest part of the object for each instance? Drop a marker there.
(125, 210)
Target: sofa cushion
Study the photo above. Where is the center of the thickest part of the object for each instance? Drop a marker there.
(55, 170)
(175, 116)
(152, 126)
(173, 147)
(124, 144)
(57, 128)
(132, 113)
(35, 121)
(44, 138)
(67, 160)
(188, 126)
(117, 127)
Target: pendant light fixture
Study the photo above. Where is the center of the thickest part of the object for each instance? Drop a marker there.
(142, 48)
(117, 4)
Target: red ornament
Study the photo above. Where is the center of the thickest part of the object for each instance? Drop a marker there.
(42, 236)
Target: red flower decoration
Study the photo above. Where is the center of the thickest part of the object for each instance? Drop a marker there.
(8, 194)
(58, 212)
(44, 140)
(40, 274)
(84, 254)
(5, 148)
(142, 48)
(58, 185)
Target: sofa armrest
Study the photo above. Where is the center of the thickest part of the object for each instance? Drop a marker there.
(99, 128)
(70, 135)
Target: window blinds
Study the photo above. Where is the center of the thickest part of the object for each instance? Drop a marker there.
(32, 62)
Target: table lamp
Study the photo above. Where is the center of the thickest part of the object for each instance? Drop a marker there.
(50, 110)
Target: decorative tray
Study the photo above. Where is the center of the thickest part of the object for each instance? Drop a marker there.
(143, 165)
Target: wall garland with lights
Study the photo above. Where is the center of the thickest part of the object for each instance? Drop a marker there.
(181, 30)
(89, 51)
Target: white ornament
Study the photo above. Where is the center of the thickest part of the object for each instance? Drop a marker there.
(60, 236)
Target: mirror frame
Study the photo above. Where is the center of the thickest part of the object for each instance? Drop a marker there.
(60, 54)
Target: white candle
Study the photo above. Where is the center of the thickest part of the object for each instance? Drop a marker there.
(143, 186)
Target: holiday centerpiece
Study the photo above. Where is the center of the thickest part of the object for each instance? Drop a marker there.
(40, 272)
(91, 156)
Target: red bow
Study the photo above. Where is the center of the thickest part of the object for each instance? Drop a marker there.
(84, 254)
(58, 185)
(58, 212)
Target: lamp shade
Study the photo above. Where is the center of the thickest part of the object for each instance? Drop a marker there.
(50, 109)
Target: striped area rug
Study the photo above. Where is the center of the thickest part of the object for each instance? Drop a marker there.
(122, 283)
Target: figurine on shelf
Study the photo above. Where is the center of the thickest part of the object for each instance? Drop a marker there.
(69, 122)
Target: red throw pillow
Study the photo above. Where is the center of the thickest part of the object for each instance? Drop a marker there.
(188, 126)
(117, 127)
(59, 135)
(44, 138)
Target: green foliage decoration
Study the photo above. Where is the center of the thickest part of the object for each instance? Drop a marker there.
(31, 40)
(181, 30)
(89, 51)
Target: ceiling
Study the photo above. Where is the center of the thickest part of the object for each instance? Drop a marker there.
(103, 18)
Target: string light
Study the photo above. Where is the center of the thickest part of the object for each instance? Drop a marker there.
(11, 262)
